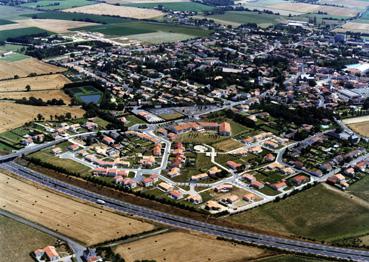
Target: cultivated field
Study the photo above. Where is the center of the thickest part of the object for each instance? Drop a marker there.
(20, 240)
(347, 3)
(88, 224)
(23, 68)
(122, 2)
(354, 27)
(56, 4)
(318, 213)
(159, 37)
(112, 10)
(14, 115)
(310, 8)
(45, 82)
(361, 128)
(52, 25)
(179, 246)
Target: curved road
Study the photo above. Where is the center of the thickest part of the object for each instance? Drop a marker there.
(191, 224)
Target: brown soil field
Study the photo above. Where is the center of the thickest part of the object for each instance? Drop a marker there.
(310, 8)
(112, 10)
(80, 221)
(180, 246)
(354, 27)
(14, 115)
(46, 82)
(44, 95)
(24, 67)
(361, 128)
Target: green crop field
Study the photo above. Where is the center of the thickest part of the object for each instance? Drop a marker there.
(21, 240)
(317, 213)
(5, 22)
(5, 34)
(13, 57)
(77, 17)
(12, 13)
(175, 6)
(131, 28)
(57, 5)
(244, 17)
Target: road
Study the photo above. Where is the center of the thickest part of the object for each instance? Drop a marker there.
(258, 239)
(76, 247)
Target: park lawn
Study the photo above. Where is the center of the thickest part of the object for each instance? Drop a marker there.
(68, 164)
(317, 213)
(29, 31)
(143, 27)
(57, 4)
(361, 188)
(245, 17)
(20, 240)
(175, 6)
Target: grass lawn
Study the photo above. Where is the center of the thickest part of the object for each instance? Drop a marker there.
(18, 240)
(142, 27)
(133, 120)
(172, 116)
(223, 158)
(11, 47)
(175, 6)
(317, 213)
(5, 34)
(57, 5)
(71, 165)
(245, 17)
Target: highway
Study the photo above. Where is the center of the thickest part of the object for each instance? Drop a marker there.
(280, 243)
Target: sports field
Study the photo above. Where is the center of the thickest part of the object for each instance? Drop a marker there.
(83, 222)
(179, 246)
(23, 68)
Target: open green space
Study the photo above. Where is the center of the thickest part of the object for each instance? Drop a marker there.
(317, 213)
(245, 17)
(11, 47)
(46, 156)
(13, 57)
(175, 6)
(142, 27)
(200, 138)
(29, 31)
(133, 120)
(57, 4)
(77, 17)
(13, 13)
(19, 240)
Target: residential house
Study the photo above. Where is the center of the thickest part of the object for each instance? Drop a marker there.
(249, 197)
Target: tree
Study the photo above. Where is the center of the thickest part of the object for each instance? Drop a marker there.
(28, 88)
(68, 115)
(39, 117)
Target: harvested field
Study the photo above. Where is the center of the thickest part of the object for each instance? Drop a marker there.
(122, 2)
(310, 8)
(356, 120)
(14, 115)
(83, 222)
(46, 82)
(179, 246)
(52, 25)
(44, 95)
(361, 128)
(347, 3)
(354, 27)
(25, 67)
(112, 10)
(159, 37)
(228, 145)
